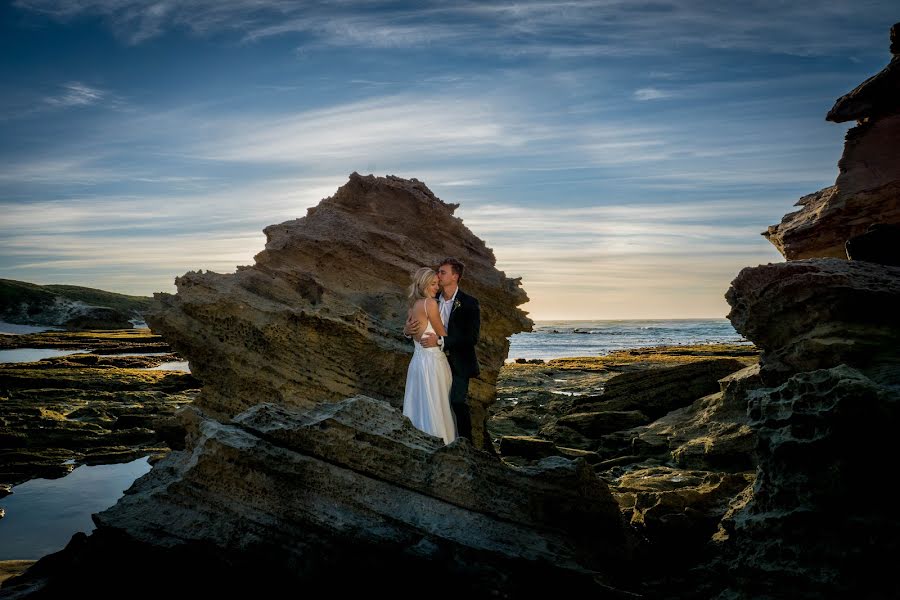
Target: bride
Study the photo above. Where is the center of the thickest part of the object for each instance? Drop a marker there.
(427, 398)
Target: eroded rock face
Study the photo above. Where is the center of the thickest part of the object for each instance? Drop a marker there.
(821, 435)
(877, 95)
(867, 190)
(827, 329)
(352, 488)
(818, 313)
(710, 434)
(319, 316)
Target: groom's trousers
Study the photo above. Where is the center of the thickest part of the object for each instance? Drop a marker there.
(459, 389)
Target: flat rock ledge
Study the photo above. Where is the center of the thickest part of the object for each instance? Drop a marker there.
(350, 493)
(819, 313)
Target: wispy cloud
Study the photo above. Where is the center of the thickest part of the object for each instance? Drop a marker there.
(380, 129)
(104, 241)
(556, 29)
(75, 94)
(650, 94)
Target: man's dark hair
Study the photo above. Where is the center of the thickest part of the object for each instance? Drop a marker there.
(457, 266)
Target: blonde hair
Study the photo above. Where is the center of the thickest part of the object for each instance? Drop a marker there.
(420, 280)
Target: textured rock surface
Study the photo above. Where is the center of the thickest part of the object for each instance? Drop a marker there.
(829, 218)
(712, 434)
(877, 95)
(684, 503)
(352, 488)
(629, 400)
(659, 391)
(818, 313)
(828, 331)
(822, 434)
(867, 189)
(319, 316)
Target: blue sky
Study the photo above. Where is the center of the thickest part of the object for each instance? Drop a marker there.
(621, 157)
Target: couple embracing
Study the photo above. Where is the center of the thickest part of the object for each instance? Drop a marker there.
(444, 323)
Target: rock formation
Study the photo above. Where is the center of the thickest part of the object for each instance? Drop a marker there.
(828, 332)
(867, 190)
(818, 313)
(288, 476)
(319, 316)
(351, 495)
(821, 434)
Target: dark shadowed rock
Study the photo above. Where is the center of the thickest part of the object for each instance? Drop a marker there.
(601, 422)
(655, 392)
(818, 313)
(822, 435)
(352, 485)
(879, 244)
(98, 317)
(712, 433)
(319, 316)
(527, 447)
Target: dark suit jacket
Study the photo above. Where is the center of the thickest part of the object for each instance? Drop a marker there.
(463, 331)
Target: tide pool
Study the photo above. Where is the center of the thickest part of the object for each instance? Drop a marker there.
(43, 514)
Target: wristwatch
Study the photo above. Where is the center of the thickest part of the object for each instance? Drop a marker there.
(440, 342)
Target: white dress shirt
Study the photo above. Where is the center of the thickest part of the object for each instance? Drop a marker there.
(446, 307)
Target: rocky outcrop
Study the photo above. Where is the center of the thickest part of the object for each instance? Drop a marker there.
(630, 400)
(822, 434)
(659, 391)
(818, 313)
(352, 495)
(876, 96)
(711, 434)
(830, 364)
(867, 190)
(319, 316)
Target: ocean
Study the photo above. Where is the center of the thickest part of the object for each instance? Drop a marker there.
(557, 339)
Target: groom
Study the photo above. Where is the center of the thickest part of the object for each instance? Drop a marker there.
(461, 315)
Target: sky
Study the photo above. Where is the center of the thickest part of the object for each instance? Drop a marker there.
(621, 157)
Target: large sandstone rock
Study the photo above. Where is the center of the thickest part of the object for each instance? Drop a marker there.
(351, 496)
(818, 313)
(319, 316)
(867, 190)
(828, 331)
(824, 436)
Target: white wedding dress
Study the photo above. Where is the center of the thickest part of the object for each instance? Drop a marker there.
(427, 398)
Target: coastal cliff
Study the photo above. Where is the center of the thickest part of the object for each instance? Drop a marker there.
(827, 400)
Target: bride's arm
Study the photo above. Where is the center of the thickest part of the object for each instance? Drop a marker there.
(434, 315)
